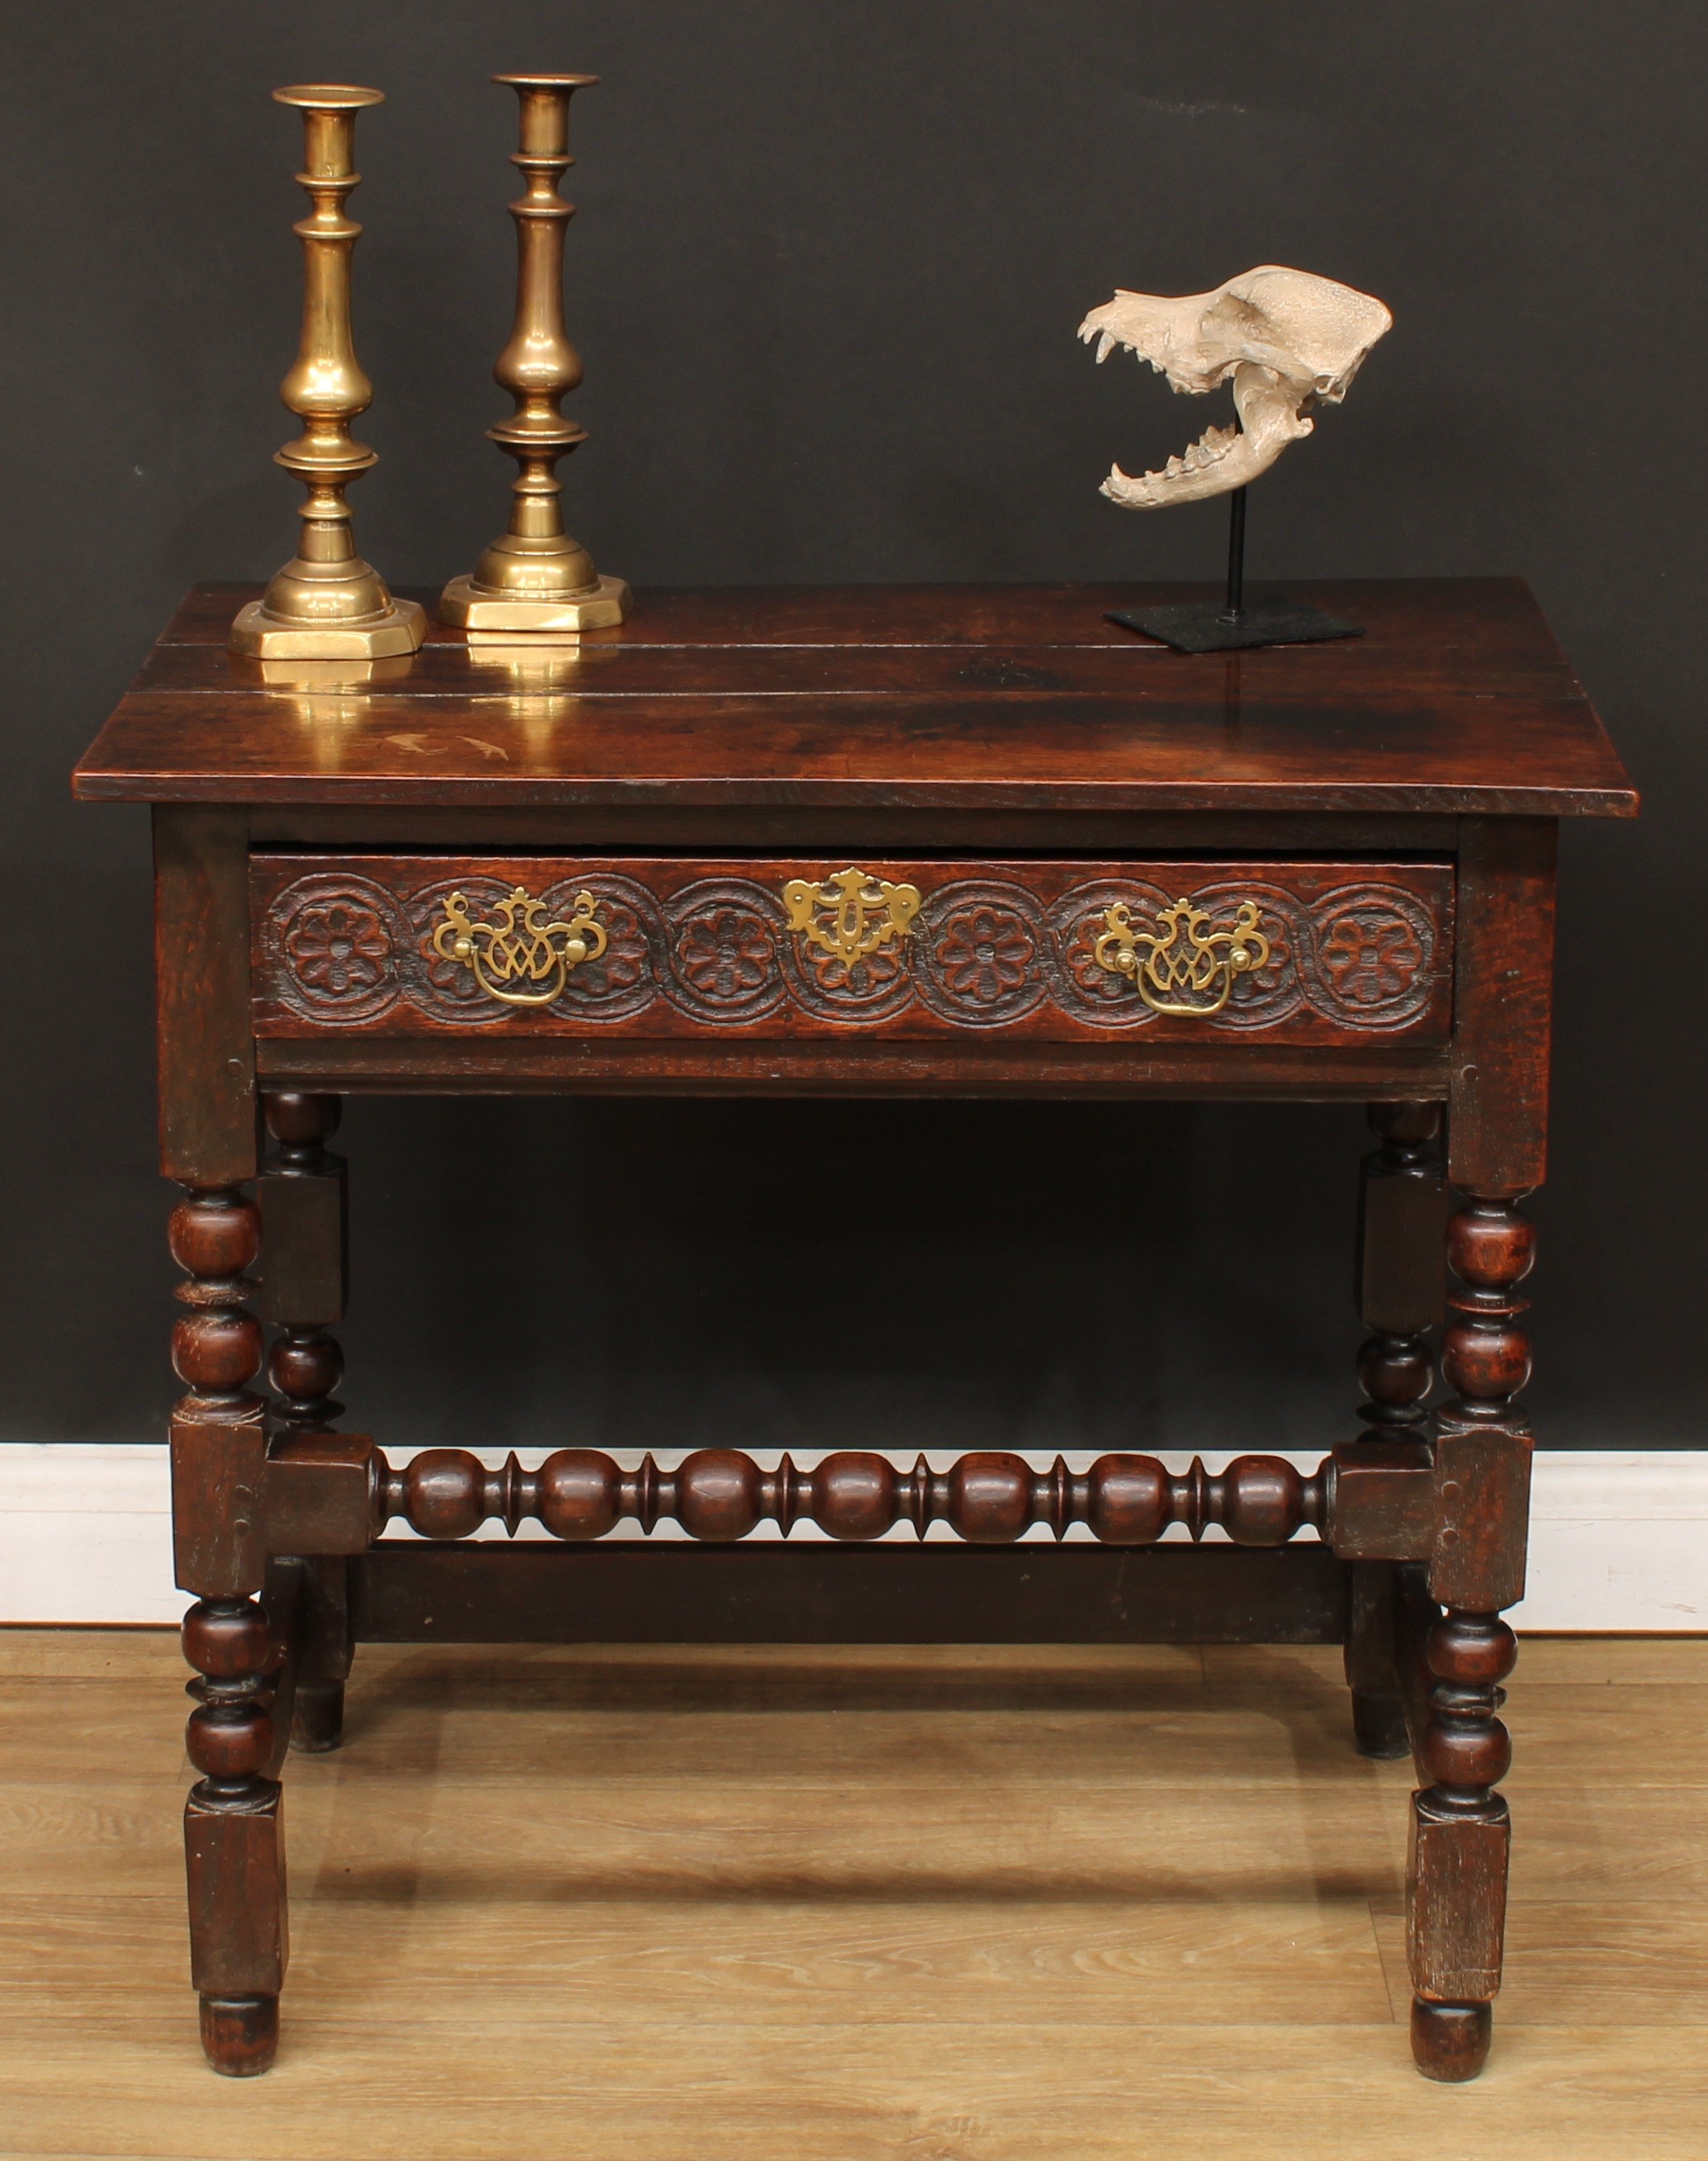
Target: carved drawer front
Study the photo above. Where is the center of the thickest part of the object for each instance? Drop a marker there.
(1065, 951)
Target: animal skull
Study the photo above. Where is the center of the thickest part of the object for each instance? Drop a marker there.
(1291, 341)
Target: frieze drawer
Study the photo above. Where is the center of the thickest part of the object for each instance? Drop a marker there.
(1295, 953)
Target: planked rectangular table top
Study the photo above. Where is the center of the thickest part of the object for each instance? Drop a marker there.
(1456, 700)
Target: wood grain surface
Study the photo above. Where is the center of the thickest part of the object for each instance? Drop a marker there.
(205, 1055)
(482, 1062)
(946, 698)
(946, 1905)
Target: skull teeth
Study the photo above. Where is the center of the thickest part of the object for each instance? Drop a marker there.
(1211, 446)
(1108, 342)
(1209, 450)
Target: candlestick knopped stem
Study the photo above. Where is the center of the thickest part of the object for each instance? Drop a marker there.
(535, 581)
(327, 603)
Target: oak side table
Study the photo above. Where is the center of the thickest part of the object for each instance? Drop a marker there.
(923, 841)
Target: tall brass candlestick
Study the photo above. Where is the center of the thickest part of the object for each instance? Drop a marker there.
(327, 604)
(537, 584)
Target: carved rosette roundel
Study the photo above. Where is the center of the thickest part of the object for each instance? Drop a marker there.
(445, 989)
(625, 978)
(979, 953)
(1083, 985)
(620, 979)
(722, 945)
(1375, 951)
(871, 987)
(334, 944)
(1263, 989)
(339, 948)
(846, 944)
(441, 985)
(1272, 993)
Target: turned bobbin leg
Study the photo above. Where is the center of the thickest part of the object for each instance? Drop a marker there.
(1461, 1829)
(233, 1838)
(302, 1277)
(1401, 1291)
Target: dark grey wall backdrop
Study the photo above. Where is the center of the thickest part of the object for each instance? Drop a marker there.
(829, 262)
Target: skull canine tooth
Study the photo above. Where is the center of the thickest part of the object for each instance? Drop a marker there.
(1105, 346)
(1287, 341)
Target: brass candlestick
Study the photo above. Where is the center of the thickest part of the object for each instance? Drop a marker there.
(327, 604)
(536, 582)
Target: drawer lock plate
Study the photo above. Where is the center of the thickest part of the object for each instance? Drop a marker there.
(852, 914)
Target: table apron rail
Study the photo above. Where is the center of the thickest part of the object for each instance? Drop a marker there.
(1244, 1071)
(445, 950)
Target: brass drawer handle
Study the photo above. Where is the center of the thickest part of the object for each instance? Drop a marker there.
(1188, 970)
(519, 948)
(864, 912)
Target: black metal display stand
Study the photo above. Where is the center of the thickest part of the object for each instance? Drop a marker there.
(1206, 626)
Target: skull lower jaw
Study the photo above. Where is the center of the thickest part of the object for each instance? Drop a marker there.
(1271, 415)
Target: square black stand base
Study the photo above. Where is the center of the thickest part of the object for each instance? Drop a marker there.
(1204, 626)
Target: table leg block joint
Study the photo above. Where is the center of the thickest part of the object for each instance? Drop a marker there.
(1456, 1899)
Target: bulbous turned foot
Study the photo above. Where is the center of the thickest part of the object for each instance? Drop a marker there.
(1379, 1725)
(316, 1717)
(240, 2033)
(1450, 2041)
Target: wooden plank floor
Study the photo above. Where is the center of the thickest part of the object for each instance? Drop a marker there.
(668, 1904)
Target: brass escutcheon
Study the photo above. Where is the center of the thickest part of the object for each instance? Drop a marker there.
(864, 912)
(519, 948)
(1188, 971)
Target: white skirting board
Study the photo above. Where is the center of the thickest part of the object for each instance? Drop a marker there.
(1618, 1541)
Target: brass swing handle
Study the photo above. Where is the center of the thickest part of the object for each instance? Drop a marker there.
(519, 948)
(1183, 969)
(851, 914)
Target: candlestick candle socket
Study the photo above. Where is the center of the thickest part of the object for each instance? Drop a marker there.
(535, 583)
(327, 603)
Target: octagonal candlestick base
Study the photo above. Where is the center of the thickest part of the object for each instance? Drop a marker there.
(491, 615)
(393, 633)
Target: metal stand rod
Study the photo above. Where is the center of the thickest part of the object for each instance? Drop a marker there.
(1233, 611)
(1230, 626)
